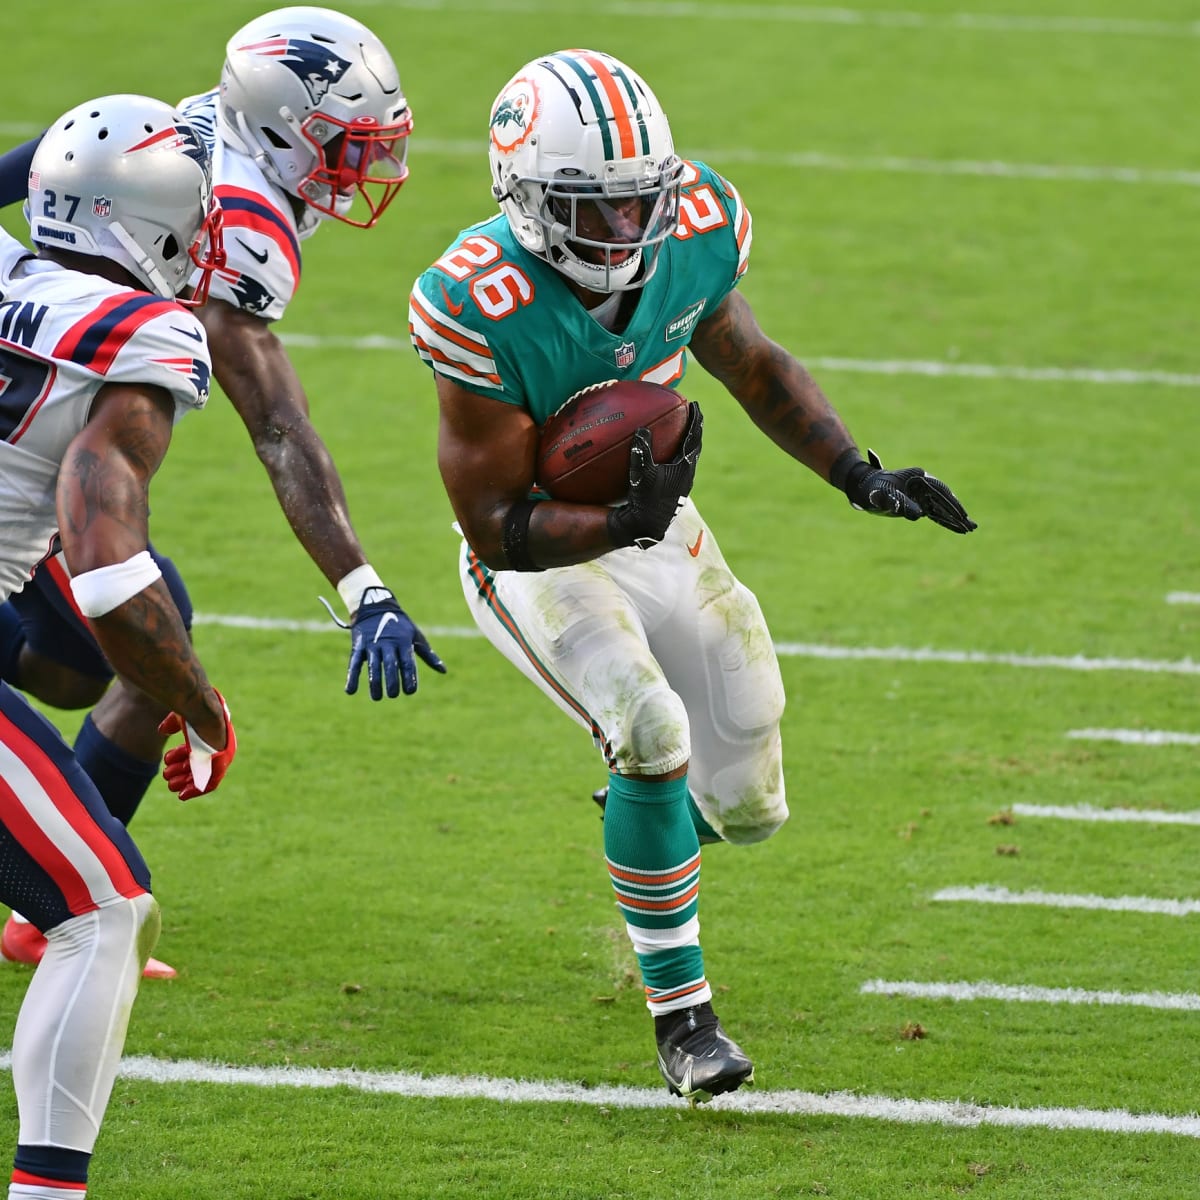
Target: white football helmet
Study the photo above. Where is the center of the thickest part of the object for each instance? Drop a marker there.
(128, 179)
(315, 99)
(584, 168)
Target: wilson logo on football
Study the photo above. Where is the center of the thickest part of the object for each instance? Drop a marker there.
(514, 115)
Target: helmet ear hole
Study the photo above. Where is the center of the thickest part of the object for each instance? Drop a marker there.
(170, 247)
(276, 140)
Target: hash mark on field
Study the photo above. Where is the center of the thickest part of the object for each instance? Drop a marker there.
(1183, 666)
(1183, 597)
(986, 894)
(986, 990)
(1088, 812)
(1136, 737)
(831, 1104)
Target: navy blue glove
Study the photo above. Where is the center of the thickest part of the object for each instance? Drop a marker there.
(383, 636)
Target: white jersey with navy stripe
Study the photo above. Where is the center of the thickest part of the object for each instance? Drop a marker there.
(262, 234)
(63, 336)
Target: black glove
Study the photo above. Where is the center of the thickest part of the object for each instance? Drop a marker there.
(656, 490)
(908, 493)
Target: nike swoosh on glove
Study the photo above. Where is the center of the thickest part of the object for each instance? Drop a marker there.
(384, 638)
(195, 768)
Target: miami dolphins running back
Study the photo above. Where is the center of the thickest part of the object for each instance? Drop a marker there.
(613, 258)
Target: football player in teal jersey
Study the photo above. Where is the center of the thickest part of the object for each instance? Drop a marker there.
(612, 258)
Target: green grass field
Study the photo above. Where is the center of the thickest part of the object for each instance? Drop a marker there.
(978, 226)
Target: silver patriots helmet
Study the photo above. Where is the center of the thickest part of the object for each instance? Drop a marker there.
(314, 97)
(126, 178)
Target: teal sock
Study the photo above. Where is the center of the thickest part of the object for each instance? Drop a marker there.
(653, 856)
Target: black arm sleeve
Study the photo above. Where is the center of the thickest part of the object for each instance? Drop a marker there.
(14, 172)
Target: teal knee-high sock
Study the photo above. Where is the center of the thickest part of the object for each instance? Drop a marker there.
(653, 858)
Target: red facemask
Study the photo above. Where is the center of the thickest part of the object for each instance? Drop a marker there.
(365, 160)
(208, 253)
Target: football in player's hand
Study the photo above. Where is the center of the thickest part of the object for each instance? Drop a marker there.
(583, 449)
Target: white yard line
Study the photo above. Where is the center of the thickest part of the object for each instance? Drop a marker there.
(819, 160)
(1183, 666)
(833, 1104)
(895, 164)
(1183, 597)
(1088, 812)
(1115, 377)
(986, 894)
(986, 990)
(1154, 666)
(801, 14)
(1136, 737)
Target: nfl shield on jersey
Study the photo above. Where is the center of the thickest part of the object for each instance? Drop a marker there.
(500, 321)
(63, 336)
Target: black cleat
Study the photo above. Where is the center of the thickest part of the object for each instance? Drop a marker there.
(696, 1057)
(601, 798)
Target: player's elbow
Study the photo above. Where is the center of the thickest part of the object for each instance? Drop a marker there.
(484, 534)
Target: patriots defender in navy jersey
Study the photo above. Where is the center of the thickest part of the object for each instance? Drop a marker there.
(98, 362)
(308, 125)
(612, 258)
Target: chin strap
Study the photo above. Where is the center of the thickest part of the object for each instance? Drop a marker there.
(144, 264)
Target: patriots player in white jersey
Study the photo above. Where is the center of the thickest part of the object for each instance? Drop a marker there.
(98, 361)
(612, 259)
(309, 124)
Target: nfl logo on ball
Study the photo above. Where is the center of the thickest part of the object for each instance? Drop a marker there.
(101, 206)
(625, 354)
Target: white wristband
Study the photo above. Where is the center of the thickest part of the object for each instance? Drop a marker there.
(100, 591)
(352, 587)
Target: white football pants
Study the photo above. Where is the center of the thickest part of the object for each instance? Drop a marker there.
(71, 1028)
(663, 656)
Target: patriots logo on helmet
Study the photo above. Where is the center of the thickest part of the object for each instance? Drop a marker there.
(316, 66)
(178, 137)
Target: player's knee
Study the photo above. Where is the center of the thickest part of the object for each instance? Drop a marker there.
(755, 818)
(750, 804)
(111, 932)
(655, 739)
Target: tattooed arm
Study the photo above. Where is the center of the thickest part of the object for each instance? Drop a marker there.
(781, 397)
(103, 515)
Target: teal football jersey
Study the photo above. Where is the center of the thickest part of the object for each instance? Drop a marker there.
(499, 321)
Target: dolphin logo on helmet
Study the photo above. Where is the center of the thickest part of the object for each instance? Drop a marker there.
(514, 114)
